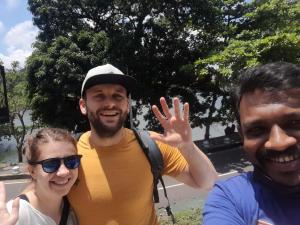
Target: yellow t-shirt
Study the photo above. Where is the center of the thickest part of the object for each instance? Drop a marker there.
(115, 183)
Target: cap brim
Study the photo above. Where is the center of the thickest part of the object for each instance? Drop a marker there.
(126, 81)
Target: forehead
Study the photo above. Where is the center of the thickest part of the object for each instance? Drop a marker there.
(267, 104)
(106, 87)
(259, 98)
(55, 149)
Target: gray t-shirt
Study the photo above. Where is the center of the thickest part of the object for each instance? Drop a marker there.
(29, 215)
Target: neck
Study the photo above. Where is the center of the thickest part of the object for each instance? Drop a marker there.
(290, 191)
(48, 205)
(106, 141)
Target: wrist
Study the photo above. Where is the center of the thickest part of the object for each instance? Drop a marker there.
(186, 146)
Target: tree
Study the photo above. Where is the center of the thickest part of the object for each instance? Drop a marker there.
(157, 42)
(56, 73)
(194, 49)
(270, 33)
(266, 31)
(19, 104)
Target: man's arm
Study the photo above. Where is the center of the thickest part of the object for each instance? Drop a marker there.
(200, 172)
(7, 218)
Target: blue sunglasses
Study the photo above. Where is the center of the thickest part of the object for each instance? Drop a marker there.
(52, 165)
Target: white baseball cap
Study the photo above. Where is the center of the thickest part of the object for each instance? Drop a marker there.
(107, 74)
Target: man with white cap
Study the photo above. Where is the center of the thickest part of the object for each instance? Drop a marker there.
(115, 181)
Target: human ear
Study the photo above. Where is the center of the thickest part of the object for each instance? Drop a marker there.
(82, 106)
(32, 172)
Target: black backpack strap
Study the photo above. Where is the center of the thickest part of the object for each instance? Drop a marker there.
(156, 161)
(24, 197)
(168, 207)
(77, 135)
(65, 212)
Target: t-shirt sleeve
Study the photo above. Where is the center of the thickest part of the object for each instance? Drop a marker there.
(220, 208)
(174, 162)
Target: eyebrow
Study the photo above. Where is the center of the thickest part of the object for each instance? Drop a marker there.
(120, 90)
(258, 122)
(253, 123)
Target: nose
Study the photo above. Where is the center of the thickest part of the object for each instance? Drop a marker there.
(279, 140)
(62, 170)
(109, 103)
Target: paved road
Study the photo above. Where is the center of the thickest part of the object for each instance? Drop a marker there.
(15, 187)
(227, 163)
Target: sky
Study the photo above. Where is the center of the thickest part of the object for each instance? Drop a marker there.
(17, 32)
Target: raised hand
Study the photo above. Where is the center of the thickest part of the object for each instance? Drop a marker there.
(7, 218)
(177, 130)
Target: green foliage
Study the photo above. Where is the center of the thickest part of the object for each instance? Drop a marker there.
(56, 73)
(18, 102)
(16, 88)
(266, 31)
(271, 32)
(241, 54)
(193, 49)
(188, 217)
(154, 41)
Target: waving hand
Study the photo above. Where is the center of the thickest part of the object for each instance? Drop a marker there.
(177, 130)
(7, 218)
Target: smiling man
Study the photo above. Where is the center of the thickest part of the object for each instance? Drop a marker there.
(268, 102)
(115, 185)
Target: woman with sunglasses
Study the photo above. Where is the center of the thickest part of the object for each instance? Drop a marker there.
(53, 166)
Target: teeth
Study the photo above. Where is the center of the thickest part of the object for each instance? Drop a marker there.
(284, 159)
(109, 114)
(61, 182)
(281, 159)
(287, 159)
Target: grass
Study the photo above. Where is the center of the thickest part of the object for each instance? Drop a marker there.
(187, 217)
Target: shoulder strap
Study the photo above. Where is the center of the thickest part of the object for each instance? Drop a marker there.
(65, 212)
(77, 135)
(156, 161)
(154, 157)
(24, 197)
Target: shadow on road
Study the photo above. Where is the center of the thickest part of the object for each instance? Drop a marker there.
(229, 160)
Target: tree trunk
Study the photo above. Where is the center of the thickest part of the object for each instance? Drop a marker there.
(22, 136)
(209, 118)
(20, 155)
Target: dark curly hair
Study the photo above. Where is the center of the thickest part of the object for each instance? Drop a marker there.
(277, 76)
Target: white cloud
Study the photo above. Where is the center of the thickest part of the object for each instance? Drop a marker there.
(1, 27)
(19, 41)
(21, 36)
(11, 4)
(16, 55)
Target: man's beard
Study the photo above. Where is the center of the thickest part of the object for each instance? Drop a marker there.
(101, 129)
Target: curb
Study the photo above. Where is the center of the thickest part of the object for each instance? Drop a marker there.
(14, 176)
(14, 172)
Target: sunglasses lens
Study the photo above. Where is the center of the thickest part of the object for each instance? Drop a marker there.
(51, 165)
(72, 162)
